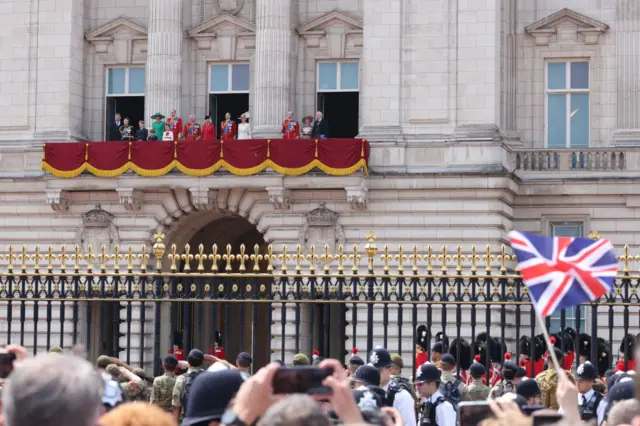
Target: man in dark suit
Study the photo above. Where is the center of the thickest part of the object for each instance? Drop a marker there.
(142, 133)
(114, 129)
(320, 127)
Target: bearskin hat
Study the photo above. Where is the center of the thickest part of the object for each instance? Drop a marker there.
(498, 350)
(442, 338)
(571, 332)
(604, 356)
(480, 350)
(584, 345)
(422, 336)
(465, 359)
(525, 345)
(626, 346)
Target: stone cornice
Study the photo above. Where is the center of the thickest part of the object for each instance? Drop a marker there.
(318, 24)
(101, 33)
(544, 29)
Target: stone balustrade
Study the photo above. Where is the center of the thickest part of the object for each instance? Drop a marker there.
(568, 160)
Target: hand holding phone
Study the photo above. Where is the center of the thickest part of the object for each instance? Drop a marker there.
(301, 380)
(472, 413)
(6, 362)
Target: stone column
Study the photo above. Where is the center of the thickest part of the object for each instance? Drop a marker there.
(272, 71)
(381, 72)
(164, 57)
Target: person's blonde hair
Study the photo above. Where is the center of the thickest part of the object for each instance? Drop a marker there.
(137, 414)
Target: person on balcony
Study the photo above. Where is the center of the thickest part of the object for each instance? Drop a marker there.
(158, 124)
(320, 127)
(114, 128)
(152, 135)
(244, 128)
(290, 127)
(192, 130)
(176, 124)
(307, 128)
(228, 128)
(126, 130)
(142, 133)
(168, 133)
(208, 129)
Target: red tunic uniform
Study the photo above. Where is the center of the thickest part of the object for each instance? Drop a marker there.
(228, 130)
(208, 132)
(538, 367)
(178, 353)
(421, 358)
(291, 130)
(218, 352)
(631, 364)
(568, 359)
(176, 126)
(192, 131)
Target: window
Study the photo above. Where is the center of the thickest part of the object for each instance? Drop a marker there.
(576, 230)
(567, 104)
(338, 76)
(125, 81)
(229, 78)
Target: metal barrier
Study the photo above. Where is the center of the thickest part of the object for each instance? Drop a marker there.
(278, 304)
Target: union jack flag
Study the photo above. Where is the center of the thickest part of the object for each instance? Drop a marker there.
(561, 272)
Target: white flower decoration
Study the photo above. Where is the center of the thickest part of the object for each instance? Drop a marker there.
(373, 358)
(367, 401)
(580, 370)
(419, 371)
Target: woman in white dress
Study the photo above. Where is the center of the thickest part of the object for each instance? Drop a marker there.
(168, 133)
(244, 128)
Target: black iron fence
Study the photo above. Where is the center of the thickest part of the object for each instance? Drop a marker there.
(138, 304)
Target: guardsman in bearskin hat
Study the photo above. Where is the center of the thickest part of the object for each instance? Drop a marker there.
(506, 385)
(584, 354)
(565, 341)
(548, 381)
(421, 345)
(539, 348)
(494, 349)
(588, 398)
(464, 357)
(626, 354)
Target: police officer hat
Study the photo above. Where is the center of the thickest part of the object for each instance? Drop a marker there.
(464, 357)
(477, 369)
(528, 388)
(586, 371)
(422, 336)
(367, 400)
(427, 372)
(380, 358)
(441, 337)
(367, 375)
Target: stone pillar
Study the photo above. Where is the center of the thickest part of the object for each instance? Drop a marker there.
(381, 71)
(164, 57)
(628, 63)
(272, 71)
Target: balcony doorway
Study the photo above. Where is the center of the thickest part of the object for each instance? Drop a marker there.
(341, 110)
(131, 107)
(219, 104)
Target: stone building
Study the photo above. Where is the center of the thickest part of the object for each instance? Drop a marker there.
(483, 116)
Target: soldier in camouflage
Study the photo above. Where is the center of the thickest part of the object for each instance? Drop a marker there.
(548, 382)
(162, 389)
(131, 385)
(476, 391)
(145, 396)
(195, 360)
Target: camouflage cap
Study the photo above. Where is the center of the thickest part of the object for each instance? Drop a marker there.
(113, 369)
(103, 361)
(301, 359)
(397, 360)
(55, 350)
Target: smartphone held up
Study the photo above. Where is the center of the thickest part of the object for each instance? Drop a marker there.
(6, 363)
(306, 380)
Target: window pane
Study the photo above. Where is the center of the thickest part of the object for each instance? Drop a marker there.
(240, 77)
(579, 75)
(557, 121)
(136, 80)
(567, 229)
(116, 81)
(579, 120)
(220, 78)
(349, 75)
(557, 75)
(328, 76)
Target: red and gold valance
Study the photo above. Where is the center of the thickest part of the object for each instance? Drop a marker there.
(338, 157)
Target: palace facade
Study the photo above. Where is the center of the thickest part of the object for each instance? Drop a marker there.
(482, 116)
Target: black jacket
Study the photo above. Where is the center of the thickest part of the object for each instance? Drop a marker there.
(114, 131)
(142, 134)
(320, 129)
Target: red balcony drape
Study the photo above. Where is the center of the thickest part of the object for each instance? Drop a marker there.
(338, 157)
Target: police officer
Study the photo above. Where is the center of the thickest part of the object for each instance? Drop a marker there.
(368, 376)
(476, 390)
(529, 390)
(506, 385)
(396, 396)
(162, 390)
(588, 399)
(436, 410)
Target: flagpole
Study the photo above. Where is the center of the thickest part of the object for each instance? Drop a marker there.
(550, 345)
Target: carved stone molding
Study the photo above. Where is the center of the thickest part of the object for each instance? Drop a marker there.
(130, 198)
(97, 230)
(566, 24)
(121, 39)
(58, 199)
(280, 197)
(336, 33)
(321, 227)
(203, 198)
(232, 37)
(233, 8)
(357, 197)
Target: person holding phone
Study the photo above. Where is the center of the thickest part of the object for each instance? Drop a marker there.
(436, 410)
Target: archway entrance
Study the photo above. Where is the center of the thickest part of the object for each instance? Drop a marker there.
(236, 326)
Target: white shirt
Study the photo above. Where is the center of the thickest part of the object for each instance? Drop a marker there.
(587, 396)
(244, 131)
(167, 136)
(404, 403)
(445, 413)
